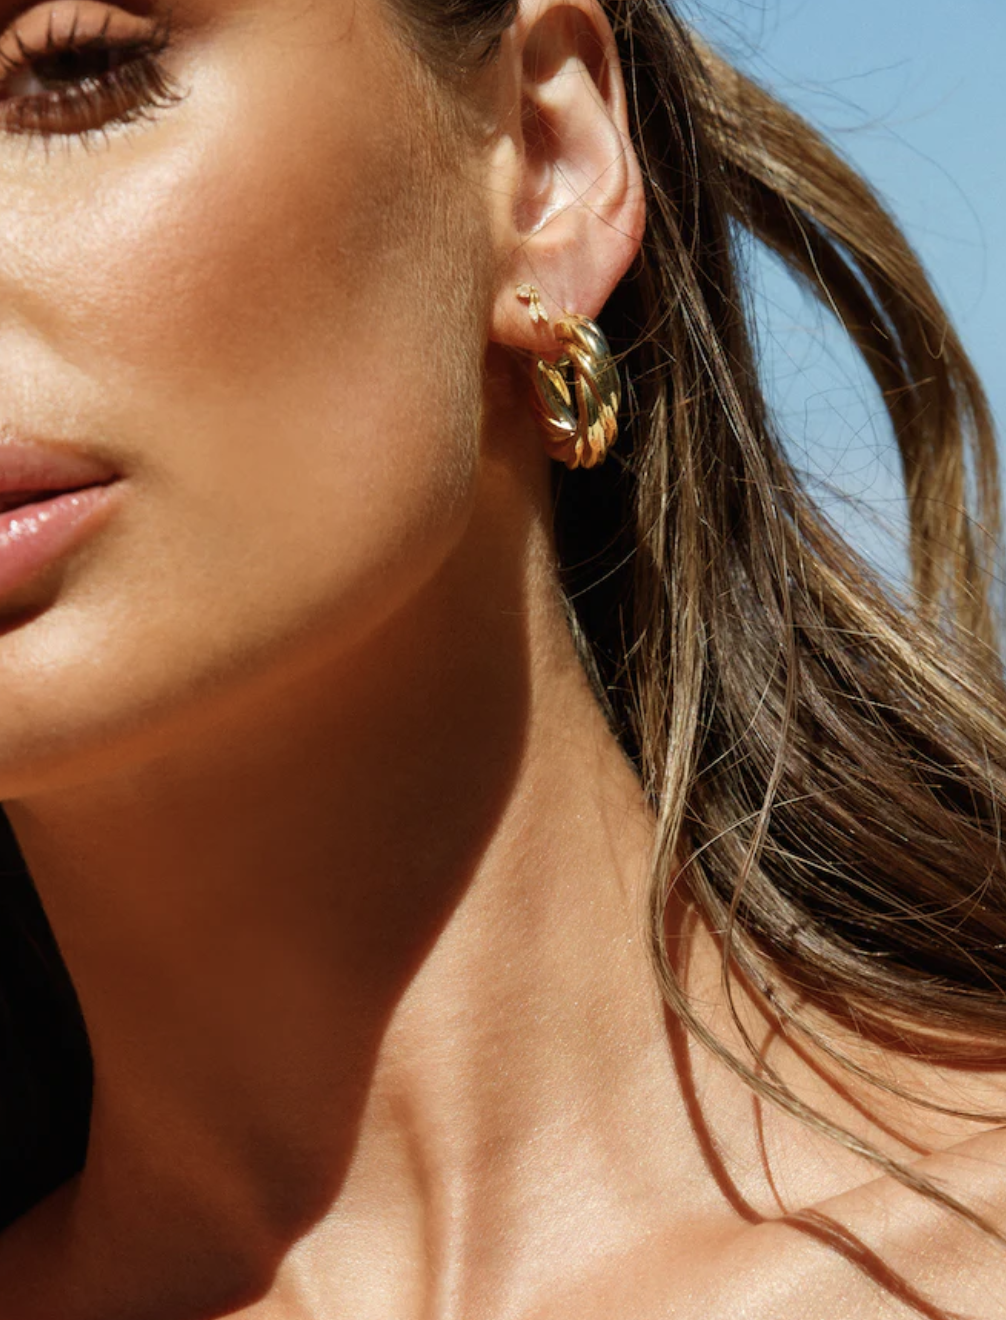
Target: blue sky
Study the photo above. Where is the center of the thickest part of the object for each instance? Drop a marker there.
(914, 92)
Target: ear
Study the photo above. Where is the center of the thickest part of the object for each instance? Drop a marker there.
(569, 208)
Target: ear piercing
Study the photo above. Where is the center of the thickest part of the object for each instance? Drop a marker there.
(529, 294)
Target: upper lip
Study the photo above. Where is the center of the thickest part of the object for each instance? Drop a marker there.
(33, 469)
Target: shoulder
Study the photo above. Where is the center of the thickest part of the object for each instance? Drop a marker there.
(879, 1252)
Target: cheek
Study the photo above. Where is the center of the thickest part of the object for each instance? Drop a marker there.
(241, 304)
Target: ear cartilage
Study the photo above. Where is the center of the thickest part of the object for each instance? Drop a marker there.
(529, 294)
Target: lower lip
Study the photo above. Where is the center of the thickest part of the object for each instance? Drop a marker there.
(37, 535)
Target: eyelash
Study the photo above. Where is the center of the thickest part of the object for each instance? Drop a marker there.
(134, 86)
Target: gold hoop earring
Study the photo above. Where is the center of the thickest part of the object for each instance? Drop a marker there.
(580, 435)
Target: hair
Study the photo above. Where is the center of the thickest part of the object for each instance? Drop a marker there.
(825, 756)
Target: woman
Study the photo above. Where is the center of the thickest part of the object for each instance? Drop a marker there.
(357, 835)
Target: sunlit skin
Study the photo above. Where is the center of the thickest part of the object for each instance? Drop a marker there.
(345, 864)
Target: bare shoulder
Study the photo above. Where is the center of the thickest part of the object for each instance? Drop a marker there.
(879, 1252)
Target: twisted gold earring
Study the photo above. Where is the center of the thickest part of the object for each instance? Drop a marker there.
(579, 436)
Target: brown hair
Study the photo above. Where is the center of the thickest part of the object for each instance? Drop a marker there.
(825, 757)
(827, 762)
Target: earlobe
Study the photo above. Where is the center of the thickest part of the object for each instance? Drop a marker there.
(576, 211)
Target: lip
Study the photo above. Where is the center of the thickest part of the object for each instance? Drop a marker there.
(51, 498)
(40, 465)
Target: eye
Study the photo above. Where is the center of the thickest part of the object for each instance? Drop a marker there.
(79, 71)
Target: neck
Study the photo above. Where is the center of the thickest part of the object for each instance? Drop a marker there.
(350, 969)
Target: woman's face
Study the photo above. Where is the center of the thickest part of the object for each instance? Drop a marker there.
(256, 304)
